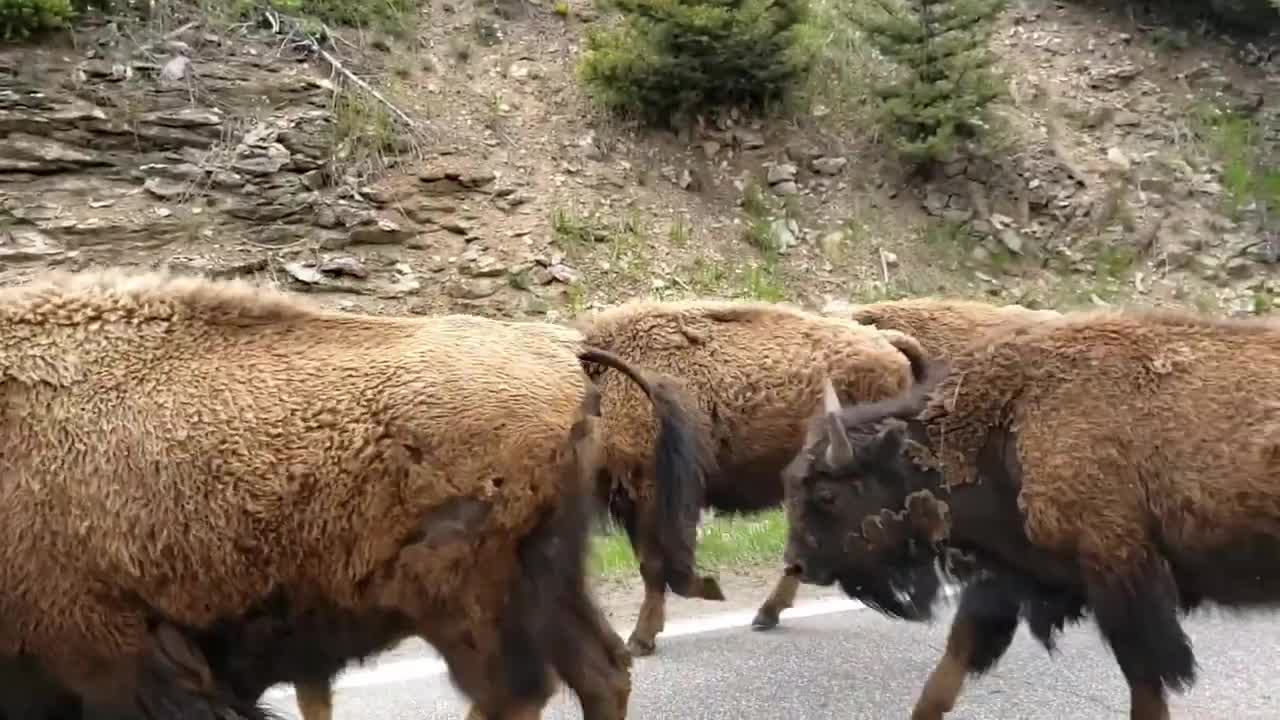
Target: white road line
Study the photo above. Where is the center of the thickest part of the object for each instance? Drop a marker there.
(403, 670)
(399, 671)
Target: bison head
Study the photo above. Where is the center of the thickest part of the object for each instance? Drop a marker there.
(861, 509)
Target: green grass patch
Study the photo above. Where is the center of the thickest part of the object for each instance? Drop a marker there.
(1249, 171)
(724, 543)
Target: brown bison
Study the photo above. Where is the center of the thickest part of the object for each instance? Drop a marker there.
(753, 370)
(1119, 462)
(945, 326)
(211, 487)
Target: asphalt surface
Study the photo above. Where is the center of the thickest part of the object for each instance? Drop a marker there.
(853, 664)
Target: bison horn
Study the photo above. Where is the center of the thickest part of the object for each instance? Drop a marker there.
(839, 451)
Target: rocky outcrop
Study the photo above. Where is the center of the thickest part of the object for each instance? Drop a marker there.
(216, 156)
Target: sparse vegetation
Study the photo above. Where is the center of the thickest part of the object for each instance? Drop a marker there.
(671, 58)
(944, 80)
(392, 16)
(21, 19)
(1250, 174)
(366, 137)
(724, 543)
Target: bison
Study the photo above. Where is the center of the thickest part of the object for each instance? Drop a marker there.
(753, 370)
(1121, 463)
(211, 487)
(945, 326)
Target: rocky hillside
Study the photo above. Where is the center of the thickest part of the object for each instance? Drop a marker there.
(480, 179)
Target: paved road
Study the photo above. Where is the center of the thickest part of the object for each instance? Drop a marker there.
(852, 664)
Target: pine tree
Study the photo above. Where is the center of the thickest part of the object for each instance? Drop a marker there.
(672, 57)
(944, 79)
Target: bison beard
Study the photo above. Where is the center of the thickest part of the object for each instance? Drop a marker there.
(906, 591)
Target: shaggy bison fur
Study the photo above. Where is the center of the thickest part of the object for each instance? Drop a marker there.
(210, 488)
(945, 326)
(753, 370)
(1120, 462)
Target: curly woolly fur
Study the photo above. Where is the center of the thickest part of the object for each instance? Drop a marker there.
(752, 370)
(945, 326)
(1123, 462)
(292, 488)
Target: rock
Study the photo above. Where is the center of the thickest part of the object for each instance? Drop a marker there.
(1118, 159)
(303, 273)
(710, 148)
(955, 168)
(1113, 78)
(748, 139)
(541, 276)
(781, 172)
(1011, 240)
(686, 180)
(1205, 265)
(485, 266)
(802, 152)
(457, 227)
(227, 180)
(403, 285)
(28, 245)
(326, 218)
(784, 234)
(381, 232)
(313, 179)
(348, 266)
(246, 209)
(476, 289)
(935, 201)
(786, 187)
(1124, 118)
(470, 178)
(890, 259)
(838, 308)
(828, 165)
(1239, 268)
(261, 163)
(178, 171)
(164, 189)
(563, 273)
(185, 117)
(20, 152)
(175, 69)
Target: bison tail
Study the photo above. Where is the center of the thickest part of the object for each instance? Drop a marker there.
(683, 457)
(922, 367)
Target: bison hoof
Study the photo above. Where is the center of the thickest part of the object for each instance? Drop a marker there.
(640, 648)
(765, 620)
(927, 713)
(711, 589)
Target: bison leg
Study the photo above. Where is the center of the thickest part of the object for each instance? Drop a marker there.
(782, 597)
(652, 616)
(980, 634)
(593, 661)
(315, 698)
(1139, 619)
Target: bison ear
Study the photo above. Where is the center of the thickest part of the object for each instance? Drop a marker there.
(889, 443)
(839, 449)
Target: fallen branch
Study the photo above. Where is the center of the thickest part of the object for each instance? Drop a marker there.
(884, 267)
(314, 46)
